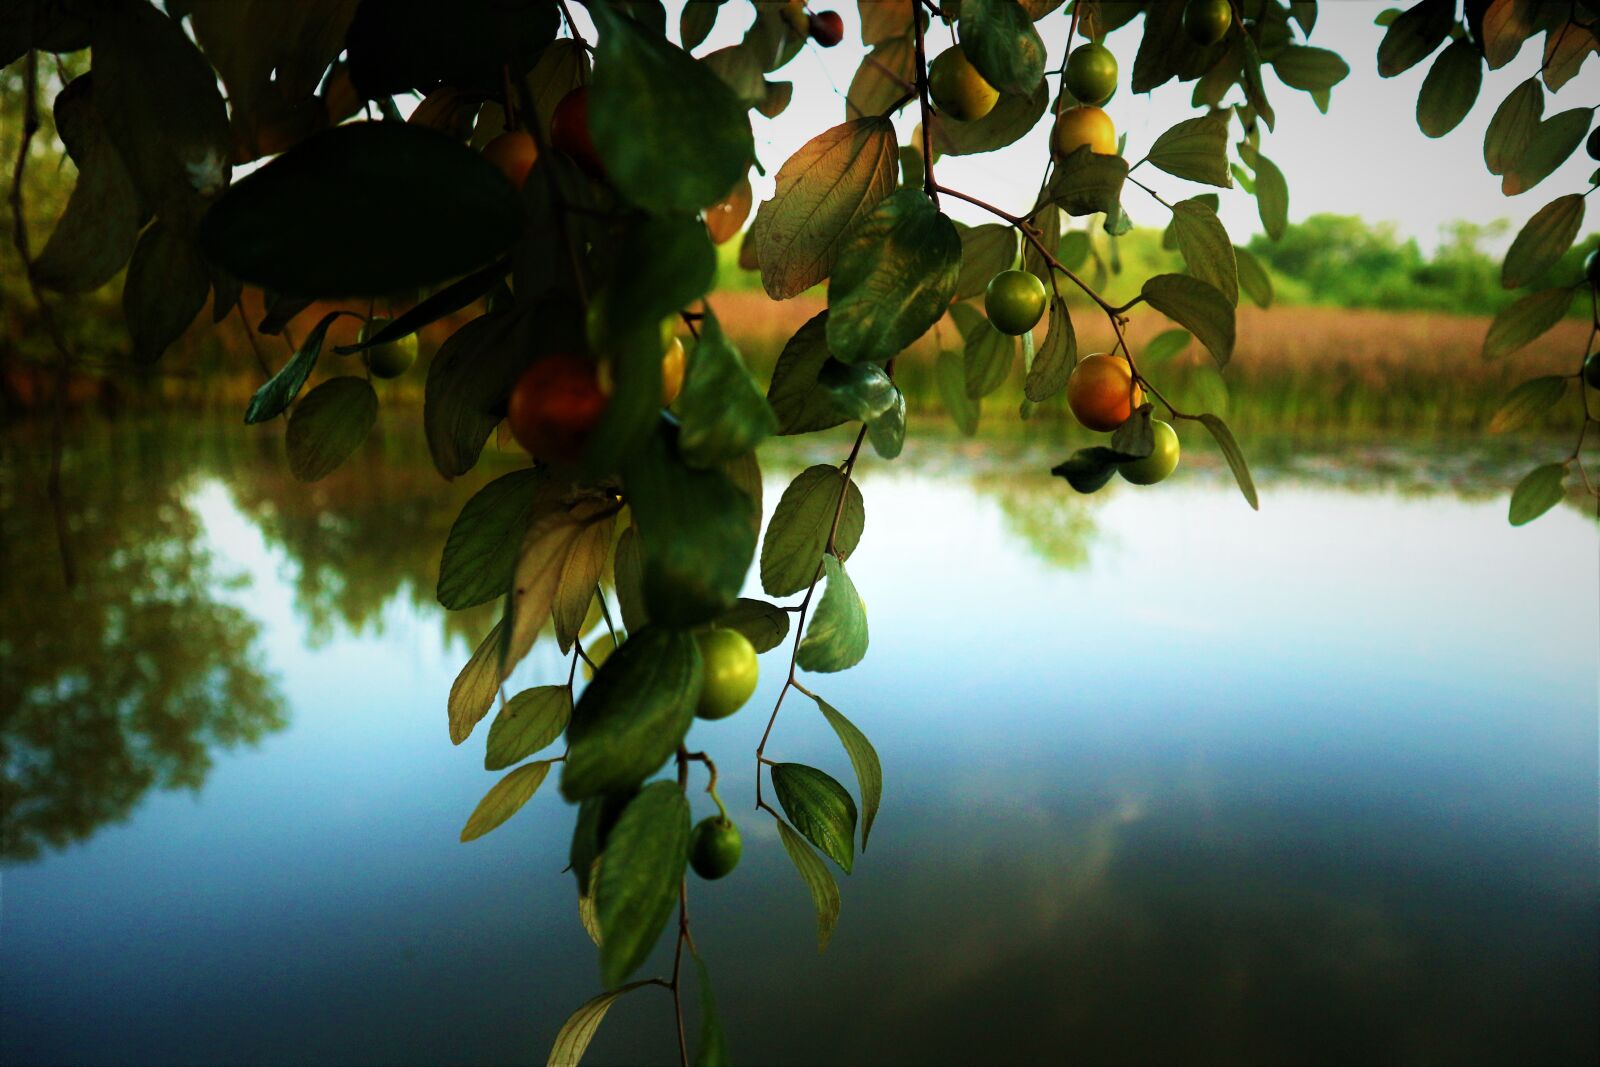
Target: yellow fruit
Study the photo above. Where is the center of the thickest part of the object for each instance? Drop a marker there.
(1101, 392)
(1085, 125)
(958, 90)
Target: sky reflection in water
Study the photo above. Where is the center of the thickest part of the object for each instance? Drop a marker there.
(1166, 779)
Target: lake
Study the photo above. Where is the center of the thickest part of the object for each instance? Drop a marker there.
(1166, 779)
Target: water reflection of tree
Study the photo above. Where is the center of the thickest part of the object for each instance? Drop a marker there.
(368, 533)
(128, 681)
(1056, 524)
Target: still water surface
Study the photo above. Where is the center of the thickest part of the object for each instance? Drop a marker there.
(1166, 779)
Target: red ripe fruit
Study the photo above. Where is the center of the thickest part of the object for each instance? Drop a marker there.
(554, 407)
(827, 28)
(569, 131)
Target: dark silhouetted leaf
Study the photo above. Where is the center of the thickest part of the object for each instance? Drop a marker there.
(633, 714)
(1525, 321)
(639, 878)
(328, 425)
(1544, 239)
(1198, 307)
(1539, 491)
(1450, 89)
(1527, 402)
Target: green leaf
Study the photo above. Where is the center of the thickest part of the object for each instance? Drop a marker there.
(338, 214)
(1513, 126)
(820, 808)
(799, 402)
(672, 135)
(1539, 491)
(158, 96)
(864, 760)
(882, 20)
(166, 286)
(1527, 402)
(1450, 89)
(697, 533)
(1135, 438)
(556, 558)
(696, 20)
(1235, 457)
(764, 625)
(1255, 90)
(865, 392)
(1413, 36)
(585, 562)
(572, 1040)
(1272, 197)
(1088, 469)
(1550, 146)
(1253, 277)
(834, 180)
(1543, 240)
(1197, 306)
(1056, 358)
(989, 353)
(1012, 116)
(639, 879)
(797, 535)
(836, 638)
(722, 411)
(475, 686)
(895, 274)
(1525, 321)
(328, 425)
(1164, 345)
(713, 1051)
(1506, 26)
(985, 251)
(481, 551)
(529, 721)
(663, 264)
(1000, 41)
(628, 567)
(633, 714)
(504, 798)
(1206, 249)
(1310, 69)
(1196, 149)
(1086, 182)
(99, 227)
(469, 379)
(882, 78)
(274, 397)
(950, 373)
(819, 881)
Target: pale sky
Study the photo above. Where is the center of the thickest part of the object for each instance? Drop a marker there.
(1365, 157)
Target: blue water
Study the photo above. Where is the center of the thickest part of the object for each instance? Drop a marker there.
(1166, 780)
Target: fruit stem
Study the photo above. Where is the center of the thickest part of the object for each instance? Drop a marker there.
(929, 186)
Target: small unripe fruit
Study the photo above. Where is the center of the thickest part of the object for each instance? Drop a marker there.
(730, 673)
(715, 847)
(1593, 144)
(1162, 460)
(1591, 370)
(514, 153)
(1591, 268)
(827, 28)
(389, 360)
(1015, 301)
(958, 90)
(1207, 21)
(1083, 125)
(569, 132)
(1091, 75)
